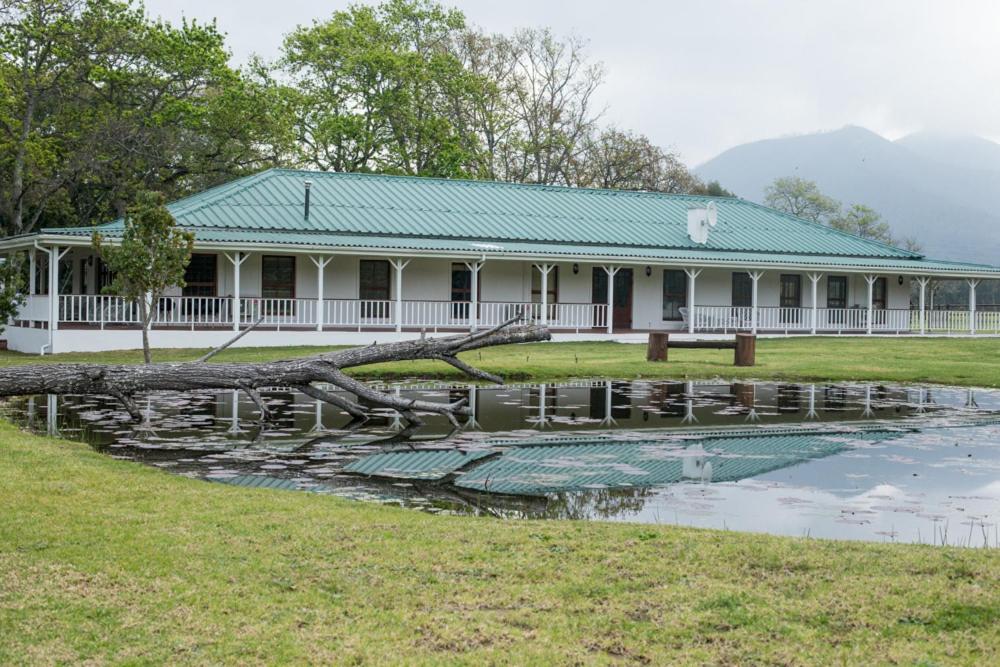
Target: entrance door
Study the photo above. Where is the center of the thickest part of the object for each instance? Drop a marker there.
(790, 298)
(621, 317)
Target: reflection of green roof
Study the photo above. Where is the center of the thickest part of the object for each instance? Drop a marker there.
(534, 468)
(420, 464)
(258, 482)
(375, 212)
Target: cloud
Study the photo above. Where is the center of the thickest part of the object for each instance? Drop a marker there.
(703, 76)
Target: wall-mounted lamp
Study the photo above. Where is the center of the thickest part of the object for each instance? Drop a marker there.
(901, 280)
(649, 271)
(576, 268)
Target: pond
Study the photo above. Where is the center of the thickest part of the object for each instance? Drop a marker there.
(847, 461)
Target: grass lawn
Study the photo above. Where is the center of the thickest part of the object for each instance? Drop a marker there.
(108, 561)
(959, 361)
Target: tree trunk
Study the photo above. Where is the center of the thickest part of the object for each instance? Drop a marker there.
(125, 381)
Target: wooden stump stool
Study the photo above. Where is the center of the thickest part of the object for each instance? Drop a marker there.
(656, 349)
(746, 350)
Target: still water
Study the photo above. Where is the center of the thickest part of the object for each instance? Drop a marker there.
(851, 461)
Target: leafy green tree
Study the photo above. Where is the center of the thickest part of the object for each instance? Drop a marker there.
(625, 161)
(12, 283)
(376, 87)
(98, 102)
(713, 189)
(150, 258)
(865, 222)
(801, 198)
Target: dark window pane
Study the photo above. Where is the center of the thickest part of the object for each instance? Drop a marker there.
(674, 293)
(879, 294)
(200, 276)
(599, 286)
(836, 292)
(791, 291)
(742, 290)
(374, 280)
(277, 277)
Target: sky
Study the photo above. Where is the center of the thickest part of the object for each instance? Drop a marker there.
(702, 76)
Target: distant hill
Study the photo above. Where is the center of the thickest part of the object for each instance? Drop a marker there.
(944, 190)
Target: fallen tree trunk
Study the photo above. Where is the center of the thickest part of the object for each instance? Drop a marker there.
(125, 381)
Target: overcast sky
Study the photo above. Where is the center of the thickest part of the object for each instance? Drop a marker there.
(701, 77)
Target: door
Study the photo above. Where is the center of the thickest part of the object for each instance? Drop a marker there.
(790, 298)
(277, 285)
(880, 301)
(621, 316)
(836, 299)
(374, 286)
(461, 291)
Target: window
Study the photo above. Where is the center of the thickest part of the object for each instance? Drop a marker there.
(84, 286)
(791, 291)
(552, 287)
(374, 280)
(742, 290)
(200, 275)
(790, 298)
(461, 290)
(277, 277)
(104, 276)
(836, 292)
(879, 294)
(674, 293)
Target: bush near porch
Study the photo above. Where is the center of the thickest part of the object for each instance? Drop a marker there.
(958, 360)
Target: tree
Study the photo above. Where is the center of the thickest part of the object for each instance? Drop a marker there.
(712, 189)
(621, 160)
(376, 87)
(12, 271)
(865, 222)
(98, 103)
(801, 198)
(151, 257)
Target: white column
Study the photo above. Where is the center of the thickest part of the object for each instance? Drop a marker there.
(237, 260)
(692, 275)
(973, 282)
(474, 268)
(54, 257)
(870, 279)
(814, 278)
(545, 269)
(31, 271)
(922, 281)
(320, 261)
(755, 277)
(399, 265)
(611, 271)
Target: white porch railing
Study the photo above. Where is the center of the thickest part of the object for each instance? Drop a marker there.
(358, 314)
(839, 320)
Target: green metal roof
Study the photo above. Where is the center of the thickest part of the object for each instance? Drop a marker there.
(379, 212)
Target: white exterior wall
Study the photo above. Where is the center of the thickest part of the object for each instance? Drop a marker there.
(427, 279)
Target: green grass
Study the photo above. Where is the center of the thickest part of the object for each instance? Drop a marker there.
(959, 361)
(108, 561)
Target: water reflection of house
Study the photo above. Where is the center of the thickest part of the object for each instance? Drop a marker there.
(556, 466)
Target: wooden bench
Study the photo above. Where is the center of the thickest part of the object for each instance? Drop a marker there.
(745, 346)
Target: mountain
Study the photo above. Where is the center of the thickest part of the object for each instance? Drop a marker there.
(943, 190)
